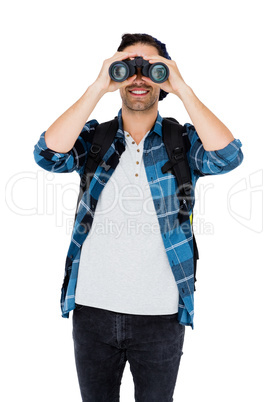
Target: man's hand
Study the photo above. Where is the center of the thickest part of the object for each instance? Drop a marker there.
(175, 83)
(104, 83)
(212, 132)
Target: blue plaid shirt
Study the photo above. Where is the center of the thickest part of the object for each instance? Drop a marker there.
(177, 239)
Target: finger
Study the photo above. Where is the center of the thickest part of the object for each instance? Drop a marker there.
(155, 58)
(122, 56)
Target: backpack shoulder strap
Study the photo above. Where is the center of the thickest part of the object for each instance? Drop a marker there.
(102, 140)
(177, 144)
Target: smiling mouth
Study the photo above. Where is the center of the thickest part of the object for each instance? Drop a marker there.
(136, 92)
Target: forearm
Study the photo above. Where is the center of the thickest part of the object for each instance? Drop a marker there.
(63, 133)
(212, 132)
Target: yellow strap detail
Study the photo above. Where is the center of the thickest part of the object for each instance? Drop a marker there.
(191, 218)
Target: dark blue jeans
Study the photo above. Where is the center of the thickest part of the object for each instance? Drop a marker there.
(105, 340)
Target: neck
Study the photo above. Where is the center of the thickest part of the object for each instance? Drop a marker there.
(138, 123)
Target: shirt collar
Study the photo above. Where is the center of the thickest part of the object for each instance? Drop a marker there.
(157, 128)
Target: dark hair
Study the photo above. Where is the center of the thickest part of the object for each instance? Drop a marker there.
(132, 39)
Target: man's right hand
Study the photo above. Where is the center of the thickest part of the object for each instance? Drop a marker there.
(104, 83)
(63, 133)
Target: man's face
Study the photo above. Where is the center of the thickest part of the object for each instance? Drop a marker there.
(131, 97)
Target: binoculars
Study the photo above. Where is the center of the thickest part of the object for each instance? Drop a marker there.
(121, 70)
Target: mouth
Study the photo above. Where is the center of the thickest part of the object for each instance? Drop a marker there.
(137, 92)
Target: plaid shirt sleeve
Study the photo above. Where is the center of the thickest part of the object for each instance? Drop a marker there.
(74, 160)
(212, 162)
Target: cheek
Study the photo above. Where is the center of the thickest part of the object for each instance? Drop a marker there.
(157, 91)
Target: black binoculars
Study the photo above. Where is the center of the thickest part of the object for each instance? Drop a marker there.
(121, 70)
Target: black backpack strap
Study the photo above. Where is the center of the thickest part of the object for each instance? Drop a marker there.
(102, 140)
(177, 144)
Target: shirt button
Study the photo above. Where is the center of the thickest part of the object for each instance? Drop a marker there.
(137, 162)
(128, 135)
(133, 142)
(136, 175)
(138, 150)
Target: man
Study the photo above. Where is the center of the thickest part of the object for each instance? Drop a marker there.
(127, 241)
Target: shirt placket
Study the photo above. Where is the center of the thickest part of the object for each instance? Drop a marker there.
(136, 152)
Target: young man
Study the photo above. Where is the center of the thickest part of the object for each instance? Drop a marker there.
(133, 293)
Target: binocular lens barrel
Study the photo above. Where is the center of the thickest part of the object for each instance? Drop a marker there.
(119, 71)
(158, 73)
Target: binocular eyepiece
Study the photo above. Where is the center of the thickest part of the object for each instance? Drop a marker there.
(121, 70)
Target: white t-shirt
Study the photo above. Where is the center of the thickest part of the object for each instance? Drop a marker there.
(123, 264)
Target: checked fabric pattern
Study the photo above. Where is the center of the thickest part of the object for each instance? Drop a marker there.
(177, 239)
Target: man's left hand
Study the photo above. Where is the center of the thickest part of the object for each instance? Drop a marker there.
(175, 83)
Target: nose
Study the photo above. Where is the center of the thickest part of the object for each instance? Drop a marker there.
(139, 75)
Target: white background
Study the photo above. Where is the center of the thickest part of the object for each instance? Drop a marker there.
(51, 52)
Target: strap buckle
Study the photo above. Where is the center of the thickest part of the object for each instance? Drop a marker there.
(95, 149)
(105, 166)
(187, 187)
(177, 154)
